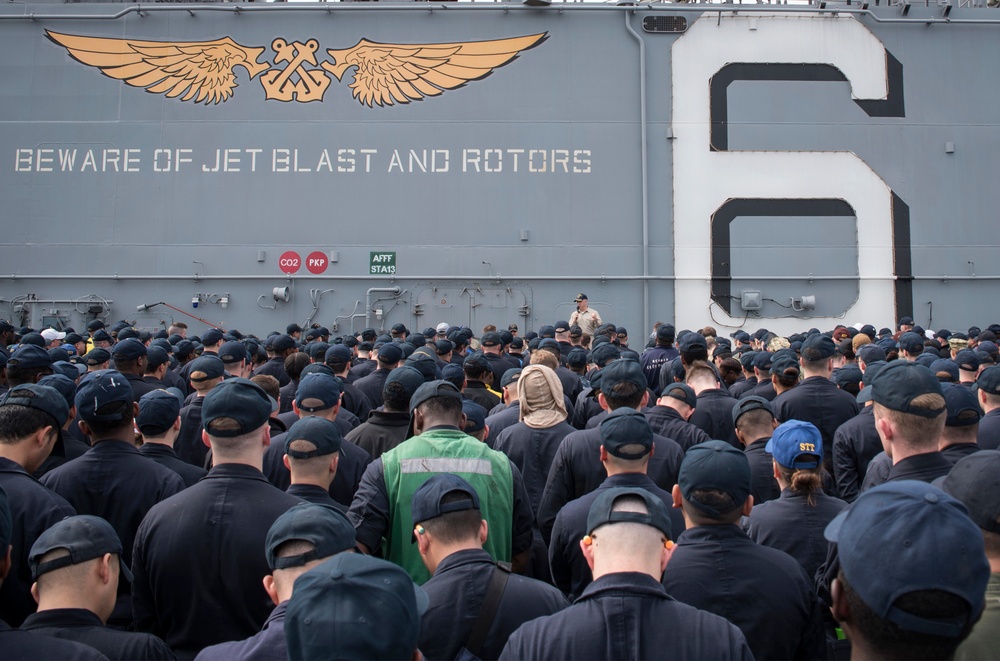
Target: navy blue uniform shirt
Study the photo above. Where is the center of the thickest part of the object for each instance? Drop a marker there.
(855, 444)
(83, 626)
(667, 422)
(763, 591)
(627, 616)
(165, 456)
(267, 645)
(792, 525)
(456, 593)
(577, 470)
(570, 571)
(34, 509)
(353, 462)
(199, 560)
(24, 645)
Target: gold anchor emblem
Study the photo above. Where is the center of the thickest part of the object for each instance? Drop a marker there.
(309, 85)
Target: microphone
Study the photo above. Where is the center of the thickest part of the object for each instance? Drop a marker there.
(143, 308)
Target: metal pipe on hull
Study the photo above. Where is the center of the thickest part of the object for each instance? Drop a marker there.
(645, 170)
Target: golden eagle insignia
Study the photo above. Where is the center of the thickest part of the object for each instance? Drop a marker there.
(385, 74)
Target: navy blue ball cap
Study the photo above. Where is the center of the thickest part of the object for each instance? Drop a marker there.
(945, 369)
(326, 528)
(989, 380)
(512, 375)
(602, 511)
(282, 343)
(751, 403)
(900, 382)
(626, 434)
(870, 353)
(338, 354)
(622, 371)
(891, 543)
(97, 356)
(40, 397)
(354, 606)
(82, 537)
(409, 377)
(796, 444)
(64, 384)
(433, 389)
(239, 399)
(762, 360)
(683, 392)
(603, 354)
(691, 341)
(577, 358)
(158, 411)
(322, 433)
(911, 342)
(665, 332)
(129, 349)
(206, 368)
(232, 352)
(491, 339)
(476, 361)
(317, 392)
(475, 416)
(391, 353)
(714, 465)
(818, 347)
(975, 481)
(211, 336)
(963, 409)
(426, 503)
(848, 375)
(99, 389)
(967, 360)
(29, 356)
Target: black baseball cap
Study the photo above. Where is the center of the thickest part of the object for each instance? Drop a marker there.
(97, 356)
(29, 356)
(602, 510)
(683, 392)
(626, 434)
(232, 352)
(691, 341)
(891, 543)
(911, 342)
(240, 399)
(409, 377)
(622, 370)
(354, 606)
(292, 328)
(989, 380)
(963, 409)
(975, 481)
(40, 397)
(491, 339)
(751, 403)
(510, 376)
(338, 354)
(714, 465)
(212, 336)
(426, 503)
(967, 360)
(324, 527)
(322, 433)
(282, 343)
(158, 411)
(869, 353)
(206, 368)
(900, 382)
(400, 328)
(433, 389)
(580, 297)
(85, 537)
(818, 347)
(317, 392)
(128, 349)
(64, 384)
(390, 352)
(97, 390)
(475, 416)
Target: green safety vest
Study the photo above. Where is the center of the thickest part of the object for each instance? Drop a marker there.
(410, 464)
